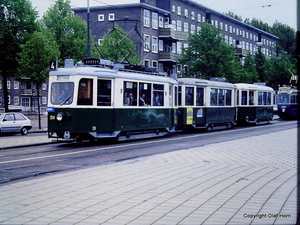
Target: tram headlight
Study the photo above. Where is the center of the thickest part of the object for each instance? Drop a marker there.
(59, 116)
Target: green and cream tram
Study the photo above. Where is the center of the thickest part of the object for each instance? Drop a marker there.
(205, 103)
(90, 102)
(254, 103)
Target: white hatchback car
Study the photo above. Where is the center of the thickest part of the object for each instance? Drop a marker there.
(14, 122)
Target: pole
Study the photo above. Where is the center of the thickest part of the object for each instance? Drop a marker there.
(88, 30)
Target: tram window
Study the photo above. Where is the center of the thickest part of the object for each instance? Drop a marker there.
(62, 93)
(244, 97)
(238, 97)
(130, 93)
(144, 94)
(293, 99)
(104, 93)
(268, 98)
(228, 97)
(251, 97)
(158, 94)
(200, 97)
(176, 96)
(221, 98)
(213, 96)
(189, 96)
(85, 92)
(283, 98)
(179, 96)
(170, 95)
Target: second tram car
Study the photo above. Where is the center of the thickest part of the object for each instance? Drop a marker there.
(205, 103)
(90, 102)
(287, 102)
(254, 103)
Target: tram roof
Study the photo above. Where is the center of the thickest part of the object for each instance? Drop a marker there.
(255, 87)
(204, 83)
(110, 73)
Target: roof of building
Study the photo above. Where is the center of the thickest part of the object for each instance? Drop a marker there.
(144, 5)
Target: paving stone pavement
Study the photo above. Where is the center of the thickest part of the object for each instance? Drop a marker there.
(246, 181)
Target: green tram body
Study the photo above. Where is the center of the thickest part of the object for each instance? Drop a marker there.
(95, 107)
(254, 103)
(205, 103)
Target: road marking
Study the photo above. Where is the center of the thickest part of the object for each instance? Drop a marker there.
(128, 145)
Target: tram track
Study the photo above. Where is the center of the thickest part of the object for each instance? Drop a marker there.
(32, 162)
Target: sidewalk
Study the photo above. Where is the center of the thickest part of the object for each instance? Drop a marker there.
(250, 180)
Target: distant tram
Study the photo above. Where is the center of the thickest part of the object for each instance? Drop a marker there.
(287, 101)
(205, 103)
(254, 103)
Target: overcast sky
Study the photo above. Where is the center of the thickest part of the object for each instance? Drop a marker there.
(284, 11)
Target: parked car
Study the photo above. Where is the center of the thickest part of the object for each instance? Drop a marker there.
(14, 122)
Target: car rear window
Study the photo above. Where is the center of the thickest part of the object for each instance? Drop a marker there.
(19, 117)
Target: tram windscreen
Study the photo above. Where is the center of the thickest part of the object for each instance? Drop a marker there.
(62, 93)
(283, 98)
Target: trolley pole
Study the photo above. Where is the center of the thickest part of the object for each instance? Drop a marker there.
(88, 30)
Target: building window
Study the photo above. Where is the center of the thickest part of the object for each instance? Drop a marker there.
(173, 8)
(44, 100)
(101, 17)
(226, 27)
(179, 25)
(173, 24)
(16, 84)
(186, 27)
(154, 20)
(179, 48)
(160, 45)
(8, 84)
(237, 31)
(179, 10)
(25, 101)
(221, 25)
(147, 63)
(199, 18)
(193, 29)
(203, 19)
(154, 44)
(160, 21)
(16, 100)
(193, 15)
(146, 42)
(111, 16)
(146, 18)
(212, 22)
(230, 29)
(216, 24)
(186, 13)
(154, 64)
(44, 86)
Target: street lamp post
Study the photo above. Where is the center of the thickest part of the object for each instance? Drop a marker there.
(88, 30)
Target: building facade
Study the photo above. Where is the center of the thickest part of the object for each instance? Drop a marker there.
(22, 95)
(160, 29)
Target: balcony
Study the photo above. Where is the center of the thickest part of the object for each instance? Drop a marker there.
(168, 57)
(241, 52)
(170, 34)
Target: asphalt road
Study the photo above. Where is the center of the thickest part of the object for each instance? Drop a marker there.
(29, 162)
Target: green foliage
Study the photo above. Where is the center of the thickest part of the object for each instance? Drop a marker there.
(17, 22)
(281, 69)
(35, 57)
(117, 47)
(262, 66)
(68, 29)
(231, 14)
(208, 55)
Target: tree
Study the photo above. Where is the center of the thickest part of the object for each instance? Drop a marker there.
(68, 30)
(34, 60)
(207, 55)
(262, 66)
(17, 22)
(117, 47)
(281, 70)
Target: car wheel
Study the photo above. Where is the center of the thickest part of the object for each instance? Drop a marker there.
(24, 131)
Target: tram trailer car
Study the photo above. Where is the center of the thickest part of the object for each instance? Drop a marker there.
(205, 104)
(88, 102)
(254, 103)
(287, 103)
